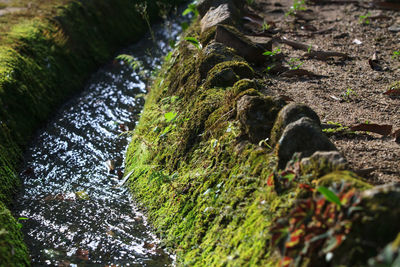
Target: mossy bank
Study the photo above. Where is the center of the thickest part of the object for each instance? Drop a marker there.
(44, 59)
(206, 160)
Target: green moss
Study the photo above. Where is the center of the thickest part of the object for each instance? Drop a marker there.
(13, 251)
(343, 176)
(44, 59)
(207, 185)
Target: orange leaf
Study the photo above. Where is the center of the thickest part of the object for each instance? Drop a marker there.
(270, 180)
(393, 92)
(383, 129)
(286, 261)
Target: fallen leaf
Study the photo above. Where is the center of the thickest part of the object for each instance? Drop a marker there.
(82, 254)
(294, 44)
(82, 195)
(299, 72)
(120, 174)
(324, 55)
(374, 63)
(148, 245)
(286, 98)
(110, 164)
(396, 135)
(374, 128)
(393, 92)
(335, 98)
(64, 264)
(28, 172)
(123, 127)
(387, 5)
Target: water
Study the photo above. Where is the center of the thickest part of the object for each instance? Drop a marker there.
(76, 213)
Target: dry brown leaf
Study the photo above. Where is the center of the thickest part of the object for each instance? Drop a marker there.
(286, 98)
(294, 44)
(299, 72)
(82, 254)
(324, 55)
(393, 92)
(383, 129)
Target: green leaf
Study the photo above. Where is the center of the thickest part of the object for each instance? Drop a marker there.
(170, 116)
(82, 195)
(329, 195)
(194, 42)
(289, 176)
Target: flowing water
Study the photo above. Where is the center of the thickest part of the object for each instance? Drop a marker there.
(75, 212)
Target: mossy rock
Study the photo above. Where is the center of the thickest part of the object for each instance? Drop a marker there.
(256, 115)
(347, 177)
(243, 85)
(291, 113)
(227, 73)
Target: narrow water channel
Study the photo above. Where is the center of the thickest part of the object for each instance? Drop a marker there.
(75, 212)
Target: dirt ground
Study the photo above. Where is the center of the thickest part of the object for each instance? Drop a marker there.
(348, 90)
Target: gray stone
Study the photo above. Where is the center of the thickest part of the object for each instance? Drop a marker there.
(303, 135)
(213, 54)
(244, 46)
(223, 14)
(325, 161)
(291, 113)
(256, 115)
(262, 41)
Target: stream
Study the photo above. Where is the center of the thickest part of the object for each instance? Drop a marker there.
(71, 210)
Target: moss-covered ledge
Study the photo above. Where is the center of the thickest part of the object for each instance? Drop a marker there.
(44, 59)
(201, 165)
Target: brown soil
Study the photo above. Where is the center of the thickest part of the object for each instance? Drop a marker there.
(364, 101)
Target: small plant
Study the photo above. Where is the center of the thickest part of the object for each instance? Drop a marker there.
(309, 48)
(19, 224)
(298, 5)
(194, 42)
(295, 63)
(396, 55)
(272, 55)
(250, 2)
(364, 19)
(191, 8)
(130, 61)
(346, 96)
(265, 26)
(170, 116)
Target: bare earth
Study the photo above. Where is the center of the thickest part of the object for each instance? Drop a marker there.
(350, 91)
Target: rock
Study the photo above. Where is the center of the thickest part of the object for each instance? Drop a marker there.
(204, 5)
(256, 115)
(243, 85)
(324, 162)
(213, 54)
(225, 74)
(223, 78)
(303, 135)
(261, 41)
(291, 113)
(394, 28)
(245, 48)
(380, 206)
(223, 14)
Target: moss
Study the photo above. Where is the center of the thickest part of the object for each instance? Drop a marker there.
(205, 184)
(243, 85)
(44, 59)
(343, 176)
(13, 251)
(226, 73)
